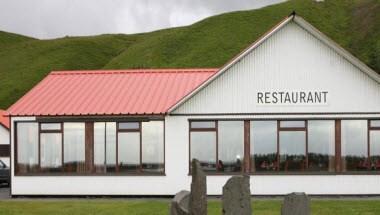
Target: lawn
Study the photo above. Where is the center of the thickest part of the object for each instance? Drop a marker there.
(137, 207)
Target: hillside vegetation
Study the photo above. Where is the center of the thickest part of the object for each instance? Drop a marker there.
(24, 61)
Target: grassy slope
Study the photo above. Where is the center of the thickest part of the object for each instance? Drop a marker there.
(157, 207)
(355, 24)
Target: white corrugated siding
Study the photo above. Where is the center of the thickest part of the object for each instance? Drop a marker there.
(291, 60)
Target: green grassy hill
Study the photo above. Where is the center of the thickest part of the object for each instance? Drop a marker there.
(354, 24)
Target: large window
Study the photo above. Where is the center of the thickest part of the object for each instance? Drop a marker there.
(354, 145)
(203, 144)
(230, 146)
(374, 145)
(90, 148)
(263, 145)
(74, 147)
(51, 147)
(152, 146)
(321, 145)
(219, 146)
(27, 151)
(129, 142)
(292, 146)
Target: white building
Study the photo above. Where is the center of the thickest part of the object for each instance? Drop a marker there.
(294, 110)
(4, 138)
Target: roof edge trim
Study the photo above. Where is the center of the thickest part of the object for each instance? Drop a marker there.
(309, 28)
(233, 61)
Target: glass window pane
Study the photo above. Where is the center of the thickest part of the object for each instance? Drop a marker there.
(321, 145)
(292, 124)
(230, 146)
(111, 146)
(203, 148)
(129, 151)
(292, 150)
(375, 123)
(203, 124)
(153, 146)
(50, 126)
(354, 145)
(129, 125)
(375, 149)
(263, 146)
(51, 152)
(100, 147)
(27, 147)
(74, 147)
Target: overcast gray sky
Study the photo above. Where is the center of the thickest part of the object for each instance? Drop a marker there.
(57, 18)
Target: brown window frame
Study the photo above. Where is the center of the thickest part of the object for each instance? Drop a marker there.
(89, 149)
(119, 130)
(247, 164)
(216, 130)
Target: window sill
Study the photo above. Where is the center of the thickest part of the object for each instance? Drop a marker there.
(89, 174)
(293, 174)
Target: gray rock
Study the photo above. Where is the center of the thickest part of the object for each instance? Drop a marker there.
(236, 197)
(296, 204)
(180, 203)
(198, 197)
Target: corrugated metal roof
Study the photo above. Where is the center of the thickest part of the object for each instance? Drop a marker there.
(109, 92)
(4, 119)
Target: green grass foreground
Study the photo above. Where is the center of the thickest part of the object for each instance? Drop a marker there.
(137, 207)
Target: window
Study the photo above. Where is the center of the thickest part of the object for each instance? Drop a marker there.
(153, 146)
(354, 145)
(86, 148)
(230, 146)
(27, 147)
(292, 146)
(74, 147)
(128, 151)
(321, 145)
(263, 140)
(219, 146)
(374, 145)
(203, 144)
(50, 147)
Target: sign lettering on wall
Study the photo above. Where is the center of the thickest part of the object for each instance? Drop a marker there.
(292, 98)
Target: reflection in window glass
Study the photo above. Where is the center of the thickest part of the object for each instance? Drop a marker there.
(129, 151)
(100, 147)
(375, 149)
(111, 146)
(74, 147)
(203, 148)
(50, 126)
(321, 145)
(129, 125)
(230, 146)
(354, 145)
(263, 146)
(27, 147)
(292, 150)
(375, 123)
(153, 146)
(203, 124)
(51, 152)
(292, 124)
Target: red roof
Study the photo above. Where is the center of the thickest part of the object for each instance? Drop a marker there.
(112, 92)
(4, 120)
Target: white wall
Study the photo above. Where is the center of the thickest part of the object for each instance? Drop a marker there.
(290, 60)
(4, 139)
(176, 179)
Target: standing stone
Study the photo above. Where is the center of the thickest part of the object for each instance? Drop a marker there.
(198, 197)
(180, 203)
(236, 197)
(296, 204)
